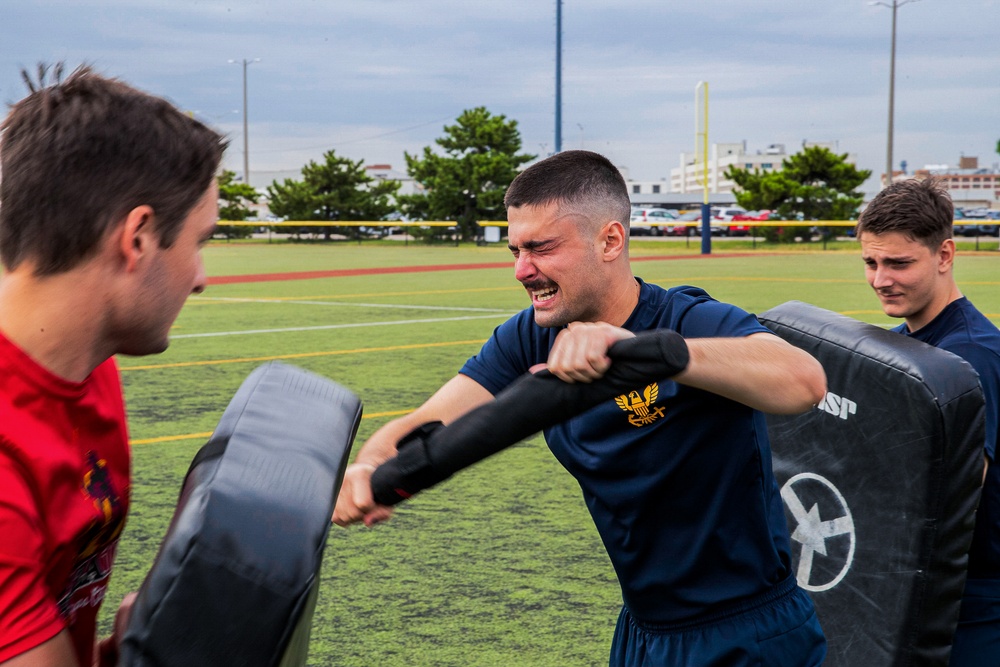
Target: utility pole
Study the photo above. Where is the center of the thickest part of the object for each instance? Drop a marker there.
(896, 4)
(558, 76)
(246, 125)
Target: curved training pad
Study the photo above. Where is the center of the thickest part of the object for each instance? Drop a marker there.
(432, 452)
(235, 580)
(880, 485)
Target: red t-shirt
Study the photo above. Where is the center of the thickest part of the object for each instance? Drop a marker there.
(64, 494)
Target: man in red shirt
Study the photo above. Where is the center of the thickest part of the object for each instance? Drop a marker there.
(106, 198)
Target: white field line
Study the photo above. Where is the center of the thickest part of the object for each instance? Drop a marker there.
(354, 325)
(355, 304)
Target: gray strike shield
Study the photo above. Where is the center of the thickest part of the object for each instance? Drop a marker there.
(236, 578)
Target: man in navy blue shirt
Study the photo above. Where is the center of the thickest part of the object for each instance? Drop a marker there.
(677, 472)
(909, 254)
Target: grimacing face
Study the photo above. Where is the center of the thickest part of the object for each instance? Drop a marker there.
(558, 262)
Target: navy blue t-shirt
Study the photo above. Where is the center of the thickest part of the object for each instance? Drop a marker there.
(678, 480)
(962, 330)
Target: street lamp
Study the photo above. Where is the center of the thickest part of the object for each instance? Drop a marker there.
(896, 4)
(246, 131)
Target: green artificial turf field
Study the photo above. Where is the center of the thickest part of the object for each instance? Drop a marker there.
(501, 564)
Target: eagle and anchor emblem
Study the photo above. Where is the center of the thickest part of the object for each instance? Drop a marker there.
(640, 407)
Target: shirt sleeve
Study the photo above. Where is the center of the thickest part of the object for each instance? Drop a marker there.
(704, 317)
(515, 346)
(987, 365)
(28, 612)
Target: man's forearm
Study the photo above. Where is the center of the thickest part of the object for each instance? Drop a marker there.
(761, 371)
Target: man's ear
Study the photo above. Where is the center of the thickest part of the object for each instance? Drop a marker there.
(946, 255)
(615, 240)
(138, 238)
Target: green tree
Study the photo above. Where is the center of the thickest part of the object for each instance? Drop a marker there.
(468, 181)
(336, 189)
(234, 204)
(815, 184)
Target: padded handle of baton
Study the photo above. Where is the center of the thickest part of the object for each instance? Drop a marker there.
(432, 453)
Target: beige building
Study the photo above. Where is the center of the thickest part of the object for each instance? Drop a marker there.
(969, 185)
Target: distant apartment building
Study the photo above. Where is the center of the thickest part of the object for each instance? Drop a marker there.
(689, 176)
(659, 187)
(969, 185)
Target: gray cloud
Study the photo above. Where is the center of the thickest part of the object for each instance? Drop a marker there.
(372, 79)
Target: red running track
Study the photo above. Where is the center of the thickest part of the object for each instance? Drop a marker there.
(342, 273)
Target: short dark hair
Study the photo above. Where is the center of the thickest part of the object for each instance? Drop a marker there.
(919, 208)
(579, 178)
(78, 155)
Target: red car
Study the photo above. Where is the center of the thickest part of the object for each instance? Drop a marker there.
(754, 215)
(743, 230)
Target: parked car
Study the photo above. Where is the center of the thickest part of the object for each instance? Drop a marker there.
(990, 230)
(754, 215)
(726, 213)
(651, 221)
(745, 217)
(970, 222)
(694, 229)
(685, 230)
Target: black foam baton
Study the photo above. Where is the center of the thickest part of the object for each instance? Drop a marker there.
(433, 452)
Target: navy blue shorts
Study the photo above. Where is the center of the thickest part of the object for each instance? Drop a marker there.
(778, 630)
(977, 638)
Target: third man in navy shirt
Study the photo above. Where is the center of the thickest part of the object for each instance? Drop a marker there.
(909, 255)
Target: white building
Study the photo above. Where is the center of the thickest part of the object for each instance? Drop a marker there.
(688, 176)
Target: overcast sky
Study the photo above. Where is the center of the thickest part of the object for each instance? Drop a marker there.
(374, 78)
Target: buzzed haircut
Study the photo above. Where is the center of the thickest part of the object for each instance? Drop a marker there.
(78, 155)
(582, 180)
(921, 209)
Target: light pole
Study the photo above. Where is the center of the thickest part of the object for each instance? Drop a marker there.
(246, 130)
(558, 76)
(896, 4)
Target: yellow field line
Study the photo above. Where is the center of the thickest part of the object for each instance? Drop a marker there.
(300, 355)
(170, 438)
(208, 434)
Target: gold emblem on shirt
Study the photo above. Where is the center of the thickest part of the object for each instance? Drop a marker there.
(640, 407)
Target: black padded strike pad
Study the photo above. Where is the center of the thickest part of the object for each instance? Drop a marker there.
(533, 402)
(880, 485)
(236, 578)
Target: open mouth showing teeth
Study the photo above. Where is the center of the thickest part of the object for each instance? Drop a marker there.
(544, 295)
